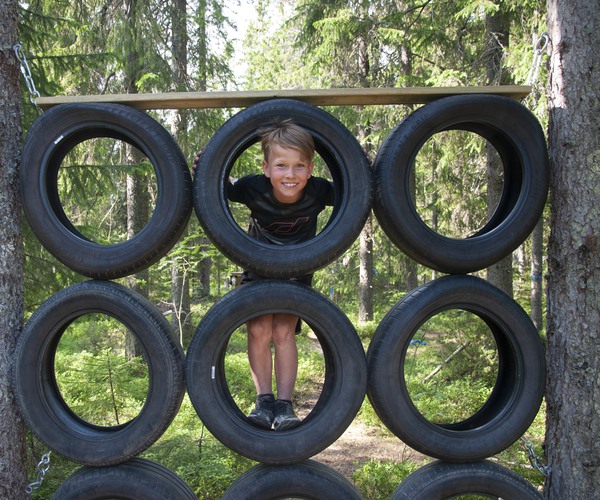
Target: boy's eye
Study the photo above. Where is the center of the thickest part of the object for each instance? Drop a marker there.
(282, 166)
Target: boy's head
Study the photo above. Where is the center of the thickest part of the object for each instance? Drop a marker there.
(288, 152)
(287, 134)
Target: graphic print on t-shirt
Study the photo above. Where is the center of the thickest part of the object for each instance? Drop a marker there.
(290, 227)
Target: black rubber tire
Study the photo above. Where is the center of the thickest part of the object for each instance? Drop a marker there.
(343, 387)
(515, 398)
(38, 394)
(309, 480)
(439, 480)
(343, 155)
(52, 136)
(519, 139)
(133, 480)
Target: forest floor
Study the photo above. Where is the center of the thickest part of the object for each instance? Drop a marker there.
(359, 444)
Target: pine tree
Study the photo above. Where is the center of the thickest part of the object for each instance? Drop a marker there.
(573, 417)
(12, 430)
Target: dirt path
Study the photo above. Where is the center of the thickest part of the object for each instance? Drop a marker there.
(359, 444)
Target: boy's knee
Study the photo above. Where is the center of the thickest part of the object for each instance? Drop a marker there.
(284, 333)
(259, 329)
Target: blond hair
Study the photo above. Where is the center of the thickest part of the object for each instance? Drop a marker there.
(287, 134)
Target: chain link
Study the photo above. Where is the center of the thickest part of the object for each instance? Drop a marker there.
(26, 72)
(42, 468)
(538, 52)
(535, 460)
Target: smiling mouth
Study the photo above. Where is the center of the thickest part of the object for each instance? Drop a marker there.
(290, 185)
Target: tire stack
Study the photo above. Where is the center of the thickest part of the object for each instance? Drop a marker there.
(109, 454)
(462, 447)
(111, 469)
(285, 470)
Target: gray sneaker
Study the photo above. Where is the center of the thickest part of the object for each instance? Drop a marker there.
(262, 415)
(285, 418)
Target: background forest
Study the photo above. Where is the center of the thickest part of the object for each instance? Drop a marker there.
(104, 47)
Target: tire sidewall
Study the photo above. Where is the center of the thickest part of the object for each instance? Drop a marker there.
(39, 397)
(52, 136)
(135, 479)
(502, 424)
(343, 389)
(500, 120)
(438, 480)
(308, 479)
(350, 172)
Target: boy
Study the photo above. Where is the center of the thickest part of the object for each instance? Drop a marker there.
(284, 203)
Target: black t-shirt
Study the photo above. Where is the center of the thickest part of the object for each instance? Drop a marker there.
(278, 223)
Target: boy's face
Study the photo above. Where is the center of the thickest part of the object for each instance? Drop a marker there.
(288, 172)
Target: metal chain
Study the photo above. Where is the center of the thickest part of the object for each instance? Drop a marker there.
(42, 468)
(539, 48)
(535, 460)
(26, 72)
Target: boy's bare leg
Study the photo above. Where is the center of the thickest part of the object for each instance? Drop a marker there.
(259, 352)
(261, 368)
(286, 354)
(279, 328)
(286, 369)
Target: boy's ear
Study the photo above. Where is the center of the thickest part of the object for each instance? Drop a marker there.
(265, 168)
(311, 167)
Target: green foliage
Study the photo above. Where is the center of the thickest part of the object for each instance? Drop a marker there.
(451, 183)
(60, 468)
(377, 479)
(189, 450)
(44, 275)
(98, 382)
(368, 417)
(83, 187)
(517, 456)
(239, 379)
(451, 366)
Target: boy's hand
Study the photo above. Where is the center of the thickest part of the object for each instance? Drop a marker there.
(197, 159)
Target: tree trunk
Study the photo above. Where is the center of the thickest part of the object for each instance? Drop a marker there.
(180, 280)
(365, 278)
(365, 284)
(13, 478)
(573, 353)
(205, 264)
(499, 274)
(497, 37)
(180, 297)
(365, 281)
(137, 218)
(137, 191)
(204, 269)
(537, 247)
(202, 50)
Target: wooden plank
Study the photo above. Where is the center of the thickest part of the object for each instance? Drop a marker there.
(318, 97)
